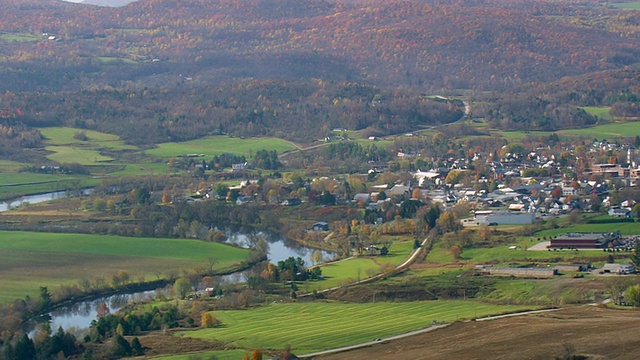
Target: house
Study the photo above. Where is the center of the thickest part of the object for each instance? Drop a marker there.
(619, 269)
(530, 272)
(362, 197)
(490, 217)
(239, 166)
(619, 212)
(291, 202)
(320, 226)
(573, 267)
(425, 177)
(576, 240)
(399, 190)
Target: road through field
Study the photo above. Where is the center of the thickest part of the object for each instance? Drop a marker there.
(592, 331)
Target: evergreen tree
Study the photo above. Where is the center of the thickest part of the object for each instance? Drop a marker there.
(137, 347)
(24, 349)
(635, 254)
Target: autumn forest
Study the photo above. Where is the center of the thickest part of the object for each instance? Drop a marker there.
(168, 70)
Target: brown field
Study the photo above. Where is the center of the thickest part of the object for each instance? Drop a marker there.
(592, 331)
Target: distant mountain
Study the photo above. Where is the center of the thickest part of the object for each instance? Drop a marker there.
(110, 3)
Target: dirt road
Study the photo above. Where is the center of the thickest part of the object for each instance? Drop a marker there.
(592, 331)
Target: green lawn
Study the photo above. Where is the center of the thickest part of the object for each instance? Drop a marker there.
(29, 259)
(216, 145)
(69, 154)
(503, 254)
(600, 112)
(10, 166)
(624, 228)
(17, 184)
(607, 131)
(310, 327)
(354, 269)
(217, 355)
(96, 140)
(626, 5)
(17, 37)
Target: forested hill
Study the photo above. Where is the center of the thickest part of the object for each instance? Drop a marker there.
(489, 44)
(197, 63)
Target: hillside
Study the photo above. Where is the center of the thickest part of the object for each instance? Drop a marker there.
(184, 69)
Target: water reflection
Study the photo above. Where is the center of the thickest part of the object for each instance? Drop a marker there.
(34, 199)
(77, 317)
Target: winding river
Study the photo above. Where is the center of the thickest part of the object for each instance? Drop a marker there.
(77, 317)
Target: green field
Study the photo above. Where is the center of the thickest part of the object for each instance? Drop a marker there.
(355, 269)
(607, 131)
(29, 259)
(310, 327)
(63, 136)
(599, 112)
(217, 355)
(17, 184)
(632, 228)
(69, 154)
(16, 37)
(216, 145)
(626, 5)
(10, 166)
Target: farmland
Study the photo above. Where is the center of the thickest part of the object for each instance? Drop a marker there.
(216, 145)
(310, 327)
(609, 131)
(29, 260)
(541, 336)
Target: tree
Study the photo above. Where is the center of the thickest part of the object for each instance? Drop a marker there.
(121, 346)
(316, 257)
(137, 347)
(24, 348)
(456, 251)
(45, 298)
(635, 254)
(181, 287)
(256, 354)
(632, 295)
(447, 222)
(574, 216)
(207, 320)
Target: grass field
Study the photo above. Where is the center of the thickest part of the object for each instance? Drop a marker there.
(216, 145)
(10, 166)
(632, 228)
(64, 136)
(607, 131)
(217, 355)
(17, 37)
(17, 184)
(355, 269)
(310, 327)
(29, 260)
(600, 112)
(634, 5)
(592, 331)
(70, 154)
(503, 254)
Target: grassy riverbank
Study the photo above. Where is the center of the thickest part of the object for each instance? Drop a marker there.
(29, 260)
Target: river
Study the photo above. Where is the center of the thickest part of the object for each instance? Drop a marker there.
(38, 198)
(77, 317)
